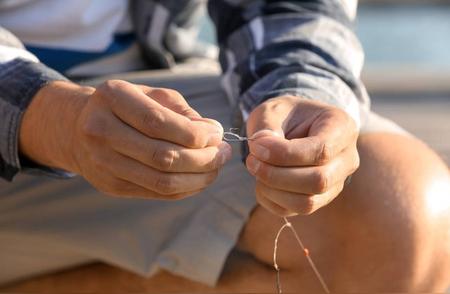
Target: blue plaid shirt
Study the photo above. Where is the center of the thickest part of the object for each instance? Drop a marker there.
(268, 48)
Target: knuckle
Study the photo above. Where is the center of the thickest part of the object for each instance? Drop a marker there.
(166, 95)
(164, 158)
(153, 119)
(286, 154)
(265, 199)
(173, 93)
(94, 127)
(165, 185)
(161, 93)
(320, 181)
(308, 207)
(104, 87)
(304, 206)
(110, 85)
(195, 138)
(323, 153)
(278, 210)
(264, 173)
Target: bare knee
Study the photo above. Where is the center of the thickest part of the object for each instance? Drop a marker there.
(404, 189)
(384, 232)
(258, 235)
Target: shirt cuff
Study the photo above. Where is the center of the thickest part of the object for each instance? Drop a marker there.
(20, 80)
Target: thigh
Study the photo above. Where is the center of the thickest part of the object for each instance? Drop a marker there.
(48, 224)
(379, 235)
(383, 233)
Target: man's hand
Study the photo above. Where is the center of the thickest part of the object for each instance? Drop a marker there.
(129, 140)
(301, 153)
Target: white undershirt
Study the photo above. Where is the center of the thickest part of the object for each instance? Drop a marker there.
(83, 25)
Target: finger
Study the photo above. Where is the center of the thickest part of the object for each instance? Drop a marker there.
(272, 206)
(114, 186)
(151, 179)
(133, 107)
(335, 131)
(294, 203)
(171, 99)
(163, 155)
(328, 137)
(308, 180)
(296, 152)
(268, 117)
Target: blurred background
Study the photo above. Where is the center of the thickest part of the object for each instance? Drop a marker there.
(407, 70)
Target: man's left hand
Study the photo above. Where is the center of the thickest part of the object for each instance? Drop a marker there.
(301, 153)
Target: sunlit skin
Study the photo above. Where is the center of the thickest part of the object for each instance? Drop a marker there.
(126, 140)
(382, 233)
(301, 153)
(376, 235)
(438, 197)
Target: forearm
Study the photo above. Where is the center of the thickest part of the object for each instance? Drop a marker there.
(21, 77)
(46, 133)
(301, 48)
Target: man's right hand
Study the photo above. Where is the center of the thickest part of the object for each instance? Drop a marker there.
(126, 139)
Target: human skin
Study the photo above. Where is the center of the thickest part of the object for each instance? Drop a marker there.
(387, 232)
(301, 153)
(136, 141)
(126, 140)
(382, 234)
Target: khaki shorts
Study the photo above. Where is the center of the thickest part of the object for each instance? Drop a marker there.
(50, 224)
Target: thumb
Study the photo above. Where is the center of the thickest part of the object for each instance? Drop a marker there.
(264, 121)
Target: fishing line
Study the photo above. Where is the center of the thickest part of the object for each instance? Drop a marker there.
(233, 136)
(305, 250)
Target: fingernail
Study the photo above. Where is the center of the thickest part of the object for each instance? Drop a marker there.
(263, 133)
(213, 122)
(253, 165)
(259, 151)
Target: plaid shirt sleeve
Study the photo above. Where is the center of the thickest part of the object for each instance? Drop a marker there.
(21, 76)
(304, 48)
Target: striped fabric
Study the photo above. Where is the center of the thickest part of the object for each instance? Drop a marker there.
(303, 48)
(267, 48)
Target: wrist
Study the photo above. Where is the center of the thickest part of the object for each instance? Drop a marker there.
(46, 133)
